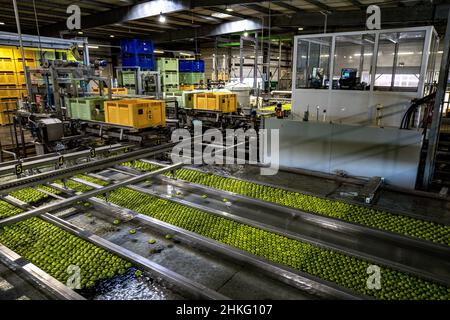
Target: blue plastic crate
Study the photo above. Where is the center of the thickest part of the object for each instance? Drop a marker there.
(146, 62)
(146, 47)
(136, 46)
(130, 60)
(198, 66)
(192, 66)
(186, 65)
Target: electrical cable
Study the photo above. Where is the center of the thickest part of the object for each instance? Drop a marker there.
(38, 32)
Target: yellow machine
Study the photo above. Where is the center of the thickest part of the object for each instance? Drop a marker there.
(139, 114)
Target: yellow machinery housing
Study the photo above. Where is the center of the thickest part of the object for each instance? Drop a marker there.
(139, 114)
(216, 101)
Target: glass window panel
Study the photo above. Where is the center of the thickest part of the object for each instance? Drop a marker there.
(431, 75)
(313, 63)
(352, 62)
(399, 61)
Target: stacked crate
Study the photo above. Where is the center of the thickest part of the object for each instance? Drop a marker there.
(12, 76)
(185, 99)
(138, 53)
(128, 80)
(91, 108)
(7, 110)
(170, 77)
(192, 73)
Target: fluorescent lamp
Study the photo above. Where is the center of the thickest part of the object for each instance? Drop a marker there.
(2, 23)
(111, 36)
(220, 15)
(158, 51)
(93, 47)
(229, 9)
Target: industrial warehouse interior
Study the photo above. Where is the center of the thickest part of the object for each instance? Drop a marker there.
(240, 150)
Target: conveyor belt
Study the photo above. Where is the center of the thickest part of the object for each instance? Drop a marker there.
(183, 284)
(9, 186)
(410, 255)
(67, 202)
(9, 168)
(207, 209)
(311, 288)
(192, 202)
(422, 258)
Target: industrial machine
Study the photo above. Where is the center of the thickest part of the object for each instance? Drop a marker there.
(139, 82)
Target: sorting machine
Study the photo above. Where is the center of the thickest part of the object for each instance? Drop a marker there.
(120, 166)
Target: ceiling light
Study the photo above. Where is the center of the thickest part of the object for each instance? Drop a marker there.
(2, 23)
(93, 47)
(220, 15)
(111, 36)
(80, 32)
(162, 18)
(229, 9)
(158, 51)
(245, 34)
(300, 29)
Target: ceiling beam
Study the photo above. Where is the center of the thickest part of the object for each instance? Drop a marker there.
(356, 3)
(393, 16)
(261, 9)
(126, 13)
(142, 10)
(205, 17)
(215, 3)
(209, 31)
(320, 5)
(231, 13)
(289, 7)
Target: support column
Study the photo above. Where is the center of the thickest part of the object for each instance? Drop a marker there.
(241, 59)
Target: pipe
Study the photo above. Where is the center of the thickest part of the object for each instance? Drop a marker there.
(10, 153)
